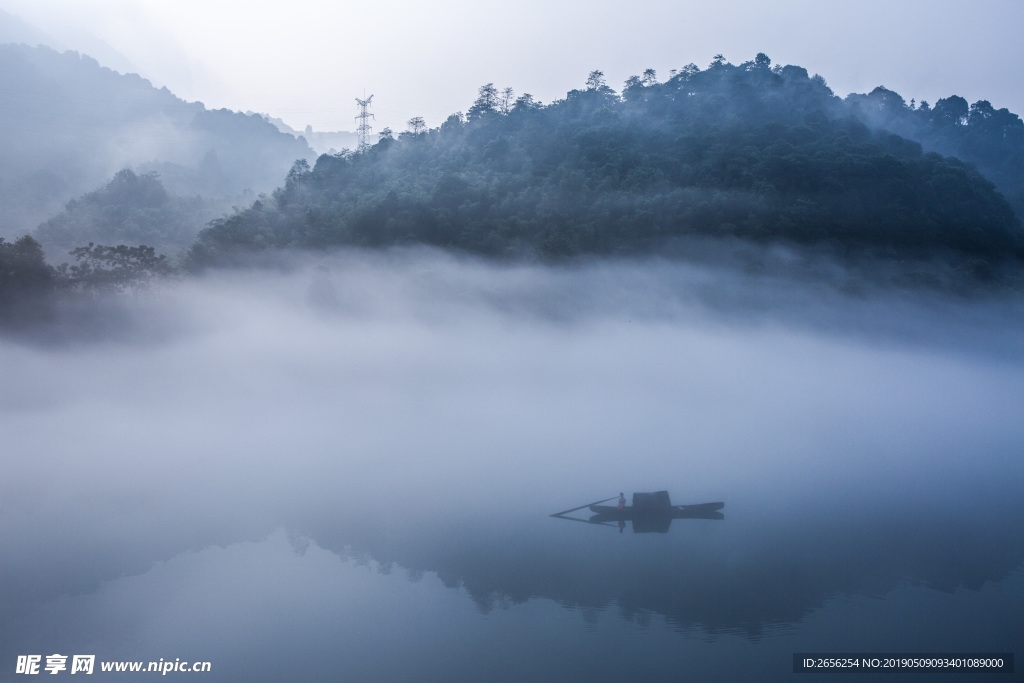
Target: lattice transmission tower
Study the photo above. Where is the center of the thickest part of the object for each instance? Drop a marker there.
(363, 130)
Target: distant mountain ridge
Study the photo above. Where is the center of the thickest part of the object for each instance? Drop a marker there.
(68, 124)
(324, 142)
(14, 29)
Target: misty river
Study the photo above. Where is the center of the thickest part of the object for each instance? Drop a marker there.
(345, 470)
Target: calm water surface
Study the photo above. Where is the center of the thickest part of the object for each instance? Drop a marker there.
(346, 472)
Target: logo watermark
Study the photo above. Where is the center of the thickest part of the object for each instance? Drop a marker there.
(56, 663)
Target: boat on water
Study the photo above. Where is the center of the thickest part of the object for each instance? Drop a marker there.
(650, 512)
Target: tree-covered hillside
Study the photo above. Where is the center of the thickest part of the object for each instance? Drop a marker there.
(131, 209)
(745, 150)
(980, 134)
(68, 125)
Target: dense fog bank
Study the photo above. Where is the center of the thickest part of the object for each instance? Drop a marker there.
(929, 302)
(217, 409)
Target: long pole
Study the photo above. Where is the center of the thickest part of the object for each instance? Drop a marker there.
(565, 512)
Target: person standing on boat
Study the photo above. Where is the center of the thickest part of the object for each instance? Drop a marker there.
(622, 501)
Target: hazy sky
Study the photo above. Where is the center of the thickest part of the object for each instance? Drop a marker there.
(306, 60)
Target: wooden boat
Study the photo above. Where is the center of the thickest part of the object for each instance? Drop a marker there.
(650, 512)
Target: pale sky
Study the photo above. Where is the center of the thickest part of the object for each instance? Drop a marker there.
(306, 61)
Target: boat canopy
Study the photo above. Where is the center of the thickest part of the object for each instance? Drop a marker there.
(657, 501)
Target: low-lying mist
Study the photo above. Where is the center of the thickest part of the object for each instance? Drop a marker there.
(373, 386)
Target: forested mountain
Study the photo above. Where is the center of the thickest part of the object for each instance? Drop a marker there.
(67, 125)
(746, 151)
(131, 209)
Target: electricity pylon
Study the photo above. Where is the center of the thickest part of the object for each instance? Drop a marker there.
(363, 130)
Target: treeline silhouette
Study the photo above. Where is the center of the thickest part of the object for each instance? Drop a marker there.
(747, 151)
(750, 151)
(29, 286)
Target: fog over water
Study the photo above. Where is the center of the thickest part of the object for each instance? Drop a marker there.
(185, 484)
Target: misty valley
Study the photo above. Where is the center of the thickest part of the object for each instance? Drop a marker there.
(308, 417)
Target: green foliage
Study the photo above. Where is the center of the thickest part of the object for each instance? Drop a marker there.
(29, 286)
(99, 267)
(750, 151)
(991, 139)
(25, 278)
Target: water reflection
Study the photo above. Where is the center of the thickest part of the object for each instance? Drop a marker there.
(275, 481)
(770, 573)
